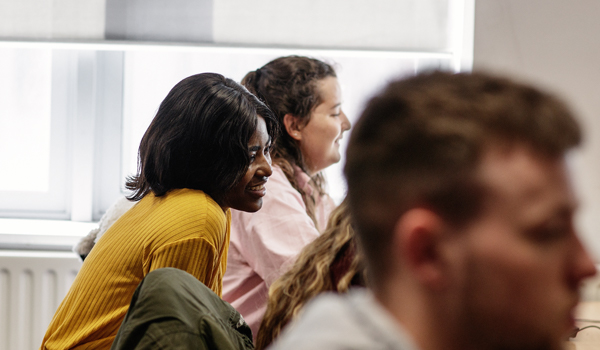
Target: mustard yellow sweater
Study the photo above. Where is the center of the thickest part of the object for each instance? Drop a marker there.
(185, 229)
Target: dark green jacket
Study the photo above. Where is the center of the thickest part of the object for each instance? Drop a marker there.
(171, 309)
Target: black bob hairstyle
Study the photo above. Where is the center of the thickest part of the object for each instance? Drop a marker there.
(199, 138)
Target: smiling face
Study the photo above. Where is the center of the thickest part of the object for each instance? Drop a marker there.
(319, 138)
(247, 194)
(523, 263)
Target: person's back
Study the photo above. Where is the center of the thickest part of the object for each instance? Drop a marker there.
(112, 214)
(349, 321)
(129, 250)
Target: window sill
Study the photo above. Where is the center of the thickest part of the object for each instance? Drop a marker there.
(55, 235)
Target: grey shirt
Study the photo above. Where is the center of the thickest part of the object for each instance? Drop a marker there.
(348, 321)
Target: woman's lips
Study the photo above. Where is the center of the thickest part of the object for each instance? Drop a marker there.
(258, 190)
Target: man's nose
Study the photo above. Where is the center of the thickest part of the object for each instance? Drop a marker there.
(584, 265)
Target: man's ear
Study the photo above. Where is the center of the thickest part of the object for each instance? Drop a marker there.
(421, 234)
(292, 126)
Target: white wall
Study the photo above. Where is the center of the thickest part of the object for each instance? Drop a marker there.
(553, 43)
(376, 24)
(52, 19)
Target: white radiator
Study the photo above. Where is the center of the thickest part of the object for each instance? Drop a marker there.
(32, 285)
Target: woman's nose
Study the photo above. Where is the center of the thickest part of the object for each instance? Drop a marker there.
(264, 168)
(346, 125)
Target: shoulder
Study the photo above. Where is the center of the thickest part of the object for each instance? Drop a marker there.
(278, 179)
(186, 200)
(279, 188)
(186, 196)
(327, 322)
(184, 208)
(344, 321)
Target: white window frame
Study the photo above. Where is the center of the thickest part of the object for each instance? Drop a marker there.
(54, 203)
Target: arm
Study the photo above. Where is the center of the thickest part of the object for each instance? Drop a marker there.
(192, 234)
(196, 256)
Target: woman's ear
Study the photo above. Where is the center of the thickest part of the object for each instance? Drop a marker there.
(292, 126)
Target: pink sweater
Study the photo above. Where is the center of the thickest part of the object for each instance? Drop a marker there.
(265, 243)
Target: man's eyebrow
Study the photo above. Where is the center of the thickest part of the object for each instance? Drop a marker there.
(336, 105)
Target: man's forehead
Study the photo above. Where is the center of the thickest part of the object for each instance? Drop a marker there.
(526, 180)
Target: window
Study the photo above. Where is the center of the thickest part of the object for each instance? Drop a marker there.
(33, 132)
(74, 114)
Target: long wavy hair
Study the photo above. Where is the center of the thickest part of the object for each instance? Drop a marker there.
(289, 85)
(331, 262)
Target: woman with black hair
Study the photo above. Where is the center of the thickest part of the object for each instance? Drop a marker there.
(206, 151)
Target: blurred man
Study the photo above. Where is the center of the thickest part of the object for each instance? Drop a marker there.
(461, 199)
